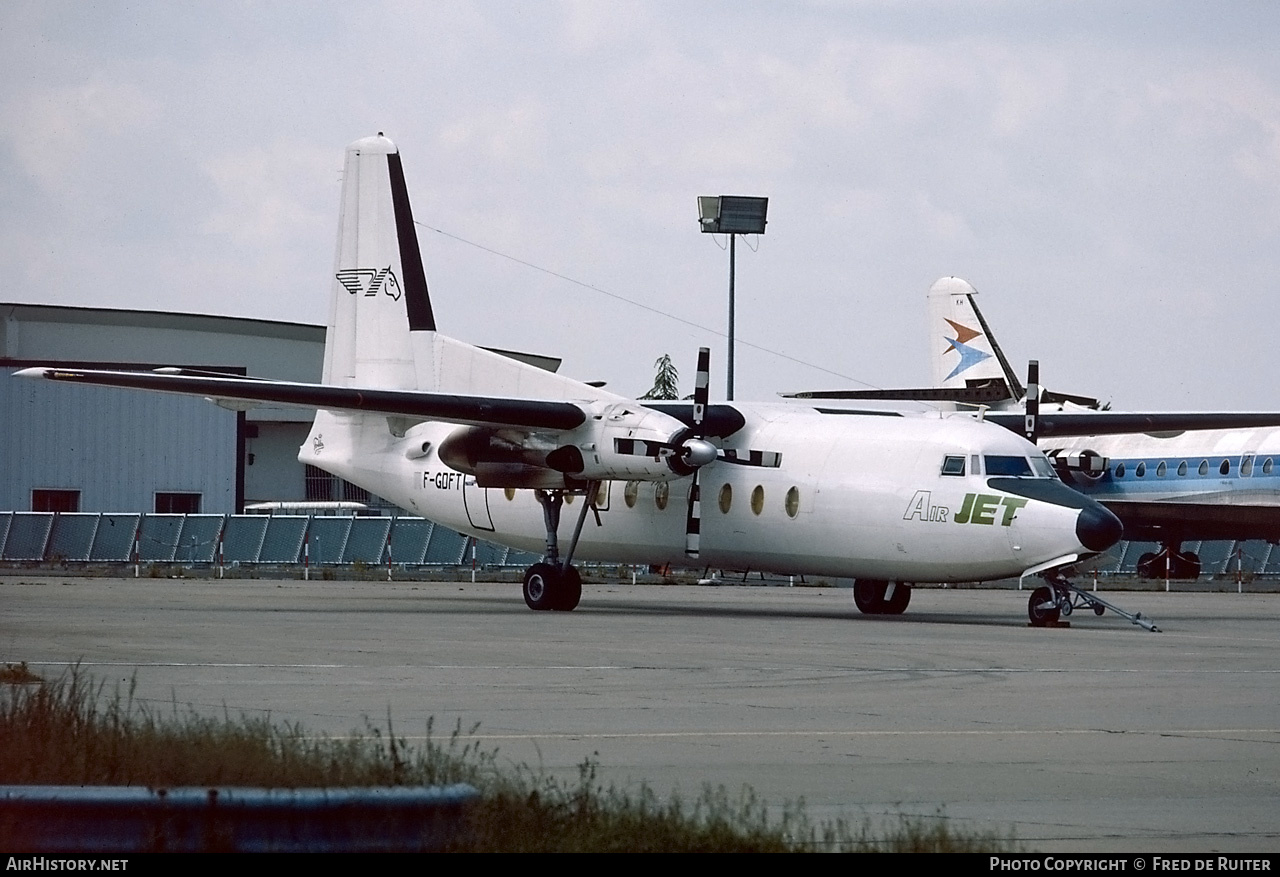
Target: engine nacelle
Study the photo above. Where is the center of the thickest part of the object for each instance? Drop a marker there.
(1078, 467)
(620, 442)
(630, 442)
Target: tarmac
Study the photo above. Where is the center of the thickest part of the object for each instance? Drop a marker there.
(1093, 737)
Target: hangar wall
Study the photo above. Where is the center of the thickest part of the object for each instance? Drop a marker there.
(116, 448)
(120, 448)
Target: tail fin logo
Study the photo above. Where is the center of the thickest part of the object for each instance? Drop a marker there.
(368, 282)
(969, 356)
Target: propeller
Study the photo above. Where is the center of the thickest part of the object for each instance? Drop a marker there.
(693, 516)
(1032, 425)
(689, 450)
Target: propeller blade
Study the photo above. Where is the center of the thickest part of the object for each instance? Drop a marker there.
(1032, 426)
(767, 459)
(698, 452)
(701, 386)
(693, 519)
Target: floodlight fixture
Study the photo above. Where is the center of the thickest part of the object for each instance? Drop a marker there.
(732, 215)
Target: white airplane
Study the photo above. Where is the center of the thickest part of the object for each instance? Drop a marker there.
(496, 448)
(1170, 478)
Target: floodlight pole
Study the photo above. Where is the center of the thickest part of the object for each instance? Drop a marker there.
(732, 259)
(732, 215)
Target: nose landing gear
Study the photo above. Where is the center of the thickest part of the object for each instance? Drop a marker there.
(1049, 603)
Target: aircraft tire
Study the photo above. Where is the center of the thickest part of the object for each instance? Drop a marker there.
(541, 586)
(570, 589)
(1186, 565)
(1146, 566)
(1040, 616)
(897, 604)
(868, 596)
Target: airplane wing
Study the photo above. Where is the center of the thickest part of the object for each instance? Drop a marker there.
(985, 395)
(1071, 423)
(1176, 520)
(453, 408)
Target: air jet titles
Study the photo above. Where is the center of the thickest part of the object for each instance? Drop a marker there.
(977, 508)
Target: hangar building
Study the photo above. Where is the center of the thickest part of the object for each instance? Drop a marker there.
(79, 448)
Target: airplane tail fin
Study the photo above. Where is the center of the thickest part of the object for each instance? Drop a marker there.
(382, 329)
(379, 288)
(963, 352)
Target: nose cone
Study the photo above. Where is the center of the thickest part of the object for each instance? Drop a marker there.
(1097, 528)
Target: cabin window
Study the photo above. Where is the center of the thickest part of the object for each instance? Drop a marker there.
(726, 498)
(1266, 466)
(630, 493)
(661, 492)
(952, 465)
(757, 500)
(1204, 467)
(509, 493)
(1140, 470)
(1182, 468)
(1246, 466)
(1225, 468)
(1161, 469)
(1002, 465)
(793, 502)
(1119, 470)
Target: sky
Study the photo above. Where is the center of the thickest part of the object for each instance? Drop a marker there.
(1106, 174)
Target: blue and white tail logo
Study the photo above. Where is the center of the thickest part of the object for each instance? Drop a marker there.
(369, 281)
(969, 356)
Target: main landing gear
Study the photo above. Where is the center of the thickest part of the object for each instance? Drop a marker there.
(1171, 563)
(556, 584)
(1049, 603)
(873, 597)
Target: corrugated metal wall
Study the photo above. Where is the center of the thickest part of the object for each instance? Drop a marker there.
(118, 448)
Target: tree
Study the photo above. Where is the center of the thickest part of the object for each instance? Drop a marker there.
(666, 383)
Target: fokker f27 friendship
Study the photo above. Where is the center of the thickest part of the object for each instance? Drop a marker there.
(496, 448)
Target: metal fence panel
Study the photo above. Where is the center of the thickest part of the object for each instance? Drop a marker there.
(242, 538)
(198, 541)
(283, 540)
(72, 537)
(28, 536)
(6, 518)
(114, 540)
(488, 554)
(326, 538)
(367, 541)
(446, 547)
(159, 539)
(1214, 556)
(409, 538)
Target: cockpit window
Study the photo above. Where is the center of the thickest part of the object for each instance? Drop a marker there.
(953, 465)
(1001, 465)
(1043, 468)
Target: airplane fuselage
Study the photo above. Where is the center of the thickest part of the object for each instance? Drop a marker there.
(854, 495)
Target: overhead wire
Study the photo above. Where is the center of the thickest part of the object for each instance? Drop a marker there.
(641, 305)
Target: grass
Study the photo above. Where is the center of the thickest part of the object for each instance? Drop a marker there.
(73, 731)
